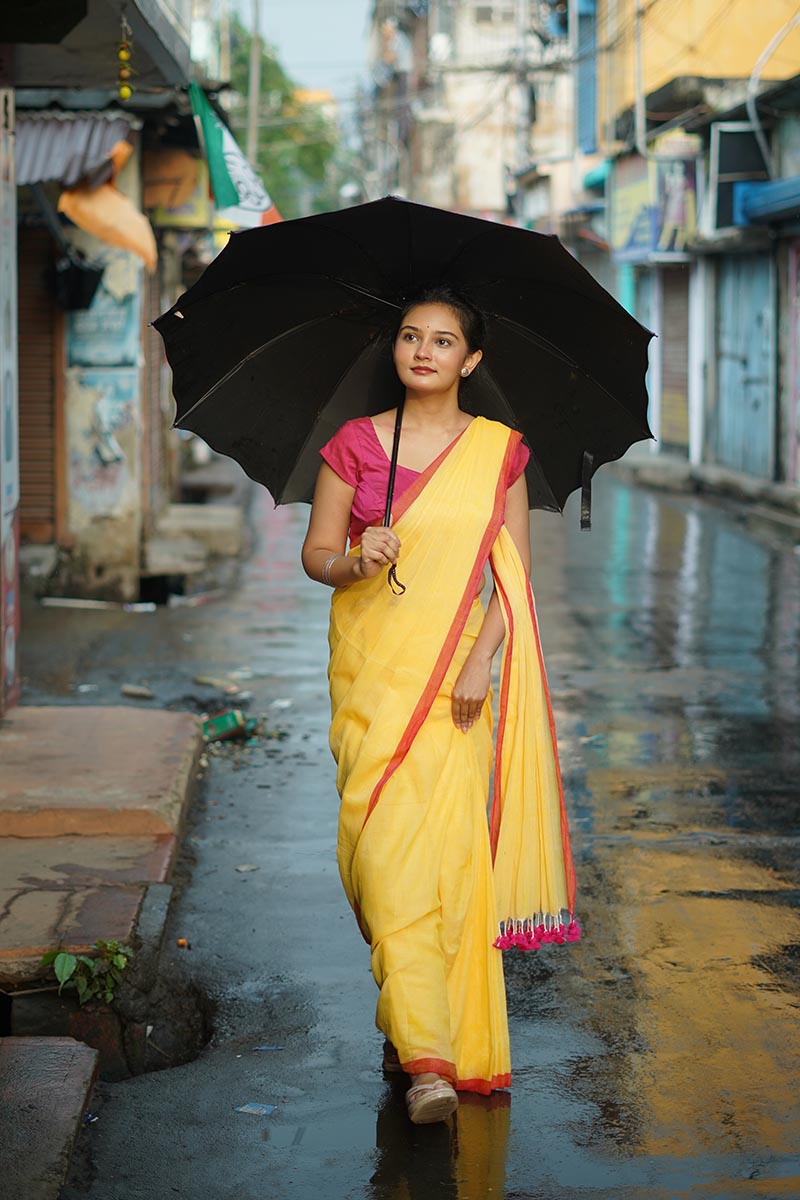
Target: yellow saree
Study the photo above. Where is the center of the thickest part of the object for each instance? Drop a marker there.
(436, 890)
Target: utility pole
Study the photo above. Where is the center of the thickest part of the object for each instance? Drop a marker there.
(254, 85)
(224, 43)
(523, 138)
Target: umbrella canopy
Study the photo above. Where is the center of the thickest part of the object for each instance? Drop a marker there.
(287, 335)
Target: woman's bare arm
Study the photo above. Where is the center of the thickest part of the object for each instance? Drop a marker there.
(327, 536)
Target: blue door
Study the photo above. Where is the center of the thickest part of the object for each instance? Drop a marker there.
(742, 419)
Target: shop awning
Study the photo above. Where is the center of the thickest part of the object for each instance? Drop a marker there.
(68, 147)
(595, 180)
(84, 152)
(765, 203)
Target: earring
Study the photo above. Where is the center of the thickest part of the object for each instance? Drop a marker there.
(464, 371)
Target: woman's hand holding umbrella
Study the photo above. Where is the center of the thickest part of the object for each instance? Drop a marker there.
(380, 547)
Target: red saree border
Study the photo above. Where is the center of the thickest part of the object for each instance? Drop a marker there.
(569, 866)
(407, 498)
(505, 685)
(447, 1070)
(431, 1066)
(448, 649)
(484, 1086)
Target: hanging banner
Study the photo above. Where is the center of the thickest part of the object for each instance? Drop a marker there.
(240, 196)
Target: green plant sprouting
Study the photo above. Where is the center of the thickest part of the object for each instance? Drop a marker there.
(94, 976)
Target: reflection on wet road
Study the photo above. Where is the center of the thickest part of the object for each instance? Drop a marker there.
(657, 1058)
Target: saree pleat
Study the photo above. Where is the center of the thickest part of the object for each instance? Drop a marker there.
(534, 875)
(414, 848)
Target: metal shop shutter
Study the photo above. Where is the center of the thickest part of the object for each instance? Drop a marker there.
(743, 419)
(37, 391)
(675, 359)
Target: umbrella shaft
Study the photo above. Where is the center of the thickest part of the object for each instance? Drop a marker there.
(398, 424)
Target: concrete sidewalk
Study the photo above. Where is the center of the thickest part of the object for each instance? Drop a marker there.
(91, 806)
(761, 503)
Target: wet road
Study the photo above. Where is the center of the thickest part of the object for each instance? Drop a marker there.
(657, 1058)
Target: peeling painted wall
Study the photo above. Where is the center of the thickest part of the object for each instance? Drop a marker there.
(9, 438)
(104, 421)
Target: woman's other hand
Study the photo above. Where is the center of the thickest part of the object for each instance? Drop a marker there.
(380, 546)
(470, 692)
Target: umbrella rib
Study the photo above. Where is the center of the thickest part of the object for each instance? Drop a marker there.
(370, 344)
(247, 358)
(556, 352)
(352, 287)
(347, 236)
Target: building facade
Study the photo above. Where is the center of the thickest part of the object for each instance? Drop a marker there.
(663, 147)
(449, 121)
(71, 380)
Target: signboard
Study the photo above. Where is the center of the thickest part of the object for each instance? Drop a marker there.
(195, 213)
(653, 206)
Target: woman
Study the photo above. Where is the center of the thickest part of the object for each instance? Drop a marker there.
(412, 724)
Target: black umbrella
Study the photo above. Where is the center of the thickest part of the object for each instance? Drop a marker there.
(287, 335)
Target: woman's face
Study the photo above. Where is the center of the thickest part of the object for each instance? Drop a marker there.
(430, 349)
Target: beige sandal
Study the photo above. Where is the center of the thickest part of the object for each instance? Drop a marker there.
(429, 1102)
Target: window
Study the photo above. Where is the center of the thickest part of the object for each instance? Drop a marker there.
(488, 14)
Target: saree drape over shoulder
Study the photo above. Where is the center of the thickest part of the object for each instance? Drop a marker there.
(435, 888)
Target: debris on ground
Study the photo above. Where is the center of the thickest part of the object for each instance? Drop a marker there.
(108, 605)
(183, 944)
(196, 599)
(137, 691)
(216, 681)
(222, 725)
(267, 1047)
(232, 725)
(282, 702)
(259, 1110)
(248, 867)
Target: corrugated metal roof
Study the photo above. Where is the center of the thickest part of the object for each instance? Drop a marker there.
(68, 147)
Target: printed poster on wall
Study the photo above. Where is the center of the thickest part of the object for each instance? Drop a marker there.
(107, 334)
(103, 413)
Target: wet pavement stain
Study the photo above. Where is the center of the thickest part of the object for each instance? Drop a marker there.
(657, 1058)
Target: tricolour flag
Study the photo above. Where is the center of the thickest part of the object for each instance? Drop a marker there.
(239, 195)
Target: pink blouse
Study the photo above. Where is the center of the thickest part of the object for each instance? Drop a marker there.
(357, 456)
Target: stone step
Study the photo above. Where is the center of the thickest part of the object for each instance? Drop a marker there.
(65, 893)
(95, 771)
(219, 527)
(174, 554)
(45, 1086)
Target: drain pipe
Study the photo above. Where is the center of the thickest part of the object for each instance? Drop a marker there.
(639, 99)
(752, 88)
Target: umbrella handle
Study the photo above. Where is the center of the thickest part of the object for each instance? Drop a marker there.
(394, 583)
(587, 469)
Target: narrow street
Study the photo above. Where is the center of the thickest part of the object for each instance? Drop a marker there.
(657, 1058)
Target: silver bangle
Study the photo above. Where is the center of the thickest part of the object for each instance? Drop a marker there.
(326, 570)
